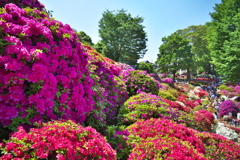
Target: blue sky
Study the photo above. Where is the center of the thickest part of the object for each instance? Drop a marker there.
(161, 17)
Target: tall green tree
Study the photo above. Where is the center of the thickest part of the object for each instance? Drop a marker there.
(84, 38)
(197, 35)
(224, 41)
(175, 54)
(123, 36)
(146, 66)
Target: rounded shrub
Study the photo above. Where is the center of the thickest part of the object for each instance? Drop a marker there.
(57, 140)
(224, 87)
(139, 81)
(44, 69)
(24, 3)
(167, 95)
(162, 128)
(228, 106)
(144, 106)
(218, 147)
(204, 119)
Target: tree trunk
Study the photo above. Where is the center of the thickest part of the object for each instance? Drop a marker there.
(188, 75)
(174, 75)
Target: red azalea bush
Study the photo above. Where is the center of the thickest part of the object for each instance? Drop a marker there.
(187, 102)
(164, 148)
(44, 69)
(24, 3)
(57, 140)
(153, 128)
(173, 104)
(204, 119)
(218, 147)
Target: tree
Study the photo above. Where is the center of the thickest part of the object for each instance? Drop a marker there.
(224, 41)
(123, 36)
(197, 35)
(174, 54)
(146, 66)
(84, 38)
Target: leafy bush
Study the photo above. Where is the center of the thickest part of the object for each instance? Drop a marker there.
(145, 66)
(144, 106)
(225, 88)
(218, 147)
(168, 80)
(44, 69)
(166, 95)
(228, 106)
(24, 3)
(57, 140)
(139, 81)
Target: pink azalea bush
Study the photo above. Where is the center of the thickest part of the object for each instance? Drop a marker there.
(140, 81)
(204, 119)
(162, 128)
(166, 148)
(57, 140)
(44, 70)
(168, 80)
(218, 147)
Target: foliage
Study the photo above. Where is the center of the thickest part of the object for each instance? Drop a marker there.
(123, 36)
(228, 106)
(174, 54)
(44, 70)
(223, 39)
(225, 88)
(168, 80)
(84, 38)
(57, 140)
(145, 66)
(139, 81)
(166, 95)
(218, 147)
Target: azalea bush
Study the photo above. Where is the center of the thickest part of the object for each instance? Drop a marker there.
(57, 140)
(144, 106)
(164, 148)
(110, 90)
(204, 119)
(167, 95)
(139, 81)
(44, 69)
(24, 3)
(228, 106)
(168, 80)
(221, 87)
(218, 147)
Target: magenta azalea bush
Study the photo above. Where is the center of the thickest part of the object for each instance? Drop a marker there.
(168, 80)
(110, 91)
(44, 69)
(24, 3)
(62, 140)
(228, 106)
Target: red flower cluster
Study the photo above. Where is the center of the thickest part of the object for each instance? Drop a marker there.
(205, 119)
(58, 140)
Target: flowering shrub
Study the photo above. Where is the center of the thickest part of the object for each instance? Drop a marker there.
(228, 106)
(43, 68)
(187, 102)
(144, 106)
(218, 147)
(204, 119)
(161, 128)
(57, 140)
(221, 87)
(24, 3)
(177, 105)
(168, 80)
(110, 91)
(237, 89)
(170, 148)
(139, 81)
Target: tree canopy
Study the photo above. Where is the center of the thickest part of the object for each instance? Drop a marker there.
(146, 66)
(84, 38)
(123, 36)
(174, 54)
(224, 42)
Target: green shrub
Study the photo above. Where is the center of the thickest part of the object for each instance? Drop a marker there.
(166, 95)
(221, 87)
